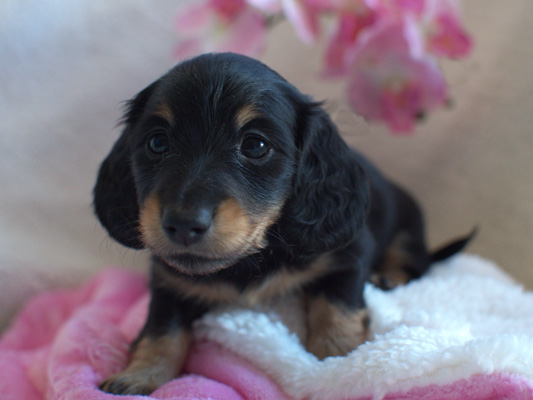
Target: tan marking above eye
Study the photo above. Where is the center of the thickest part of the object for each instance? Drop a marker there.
(245, 115)
(163, 111)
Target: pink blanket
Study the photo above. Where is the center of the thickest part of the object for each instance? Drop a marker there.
(63, 344)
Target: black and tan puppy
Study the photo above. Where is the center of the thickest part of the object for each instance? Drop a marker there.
(243, 190)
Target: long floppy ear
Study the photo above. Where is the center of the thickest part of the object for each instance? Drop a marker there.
(115, 196)
(331, 193)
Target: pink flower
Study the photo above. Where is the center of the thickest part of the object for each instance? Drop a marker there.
(304, 18)
(393, 79)
(269, 7)
(386, 48)
(441, 23)
(404, 7)
(445, 35)
(220, 25)
(353, 18)
(240, 25)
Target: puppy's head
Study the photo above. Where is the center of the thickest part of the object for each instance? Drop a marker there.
(213, 155)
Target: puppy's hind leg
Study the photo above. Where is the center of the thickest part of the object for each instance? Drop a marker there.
(407, 256)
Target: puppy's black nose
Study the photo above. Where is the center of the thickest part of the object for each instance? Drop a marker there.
(186, 227)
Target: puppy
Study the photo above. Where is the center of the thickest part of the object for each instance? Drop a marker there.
(243, 190)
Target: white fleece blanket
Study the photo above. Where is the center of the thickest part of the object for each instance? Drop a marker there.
(463, 319)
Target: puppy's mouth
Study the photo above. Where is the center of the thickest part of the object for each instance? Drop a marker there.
(191, 264)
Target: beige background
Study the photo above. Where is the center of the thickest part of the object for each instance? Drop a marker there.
(65, 67)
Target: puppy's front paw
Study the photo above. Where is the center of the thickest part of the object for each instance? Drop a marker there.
(154, 362)
(333, 331)
(133, 382)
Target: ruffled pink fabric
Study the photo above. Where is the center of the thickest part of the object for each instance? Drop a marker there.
(63, 345)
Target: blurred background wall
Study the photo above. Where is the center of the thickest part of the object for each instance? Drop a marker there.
(66, 66)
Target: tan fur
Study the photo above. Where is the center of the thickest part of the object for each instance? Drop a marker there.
(232, 227)
(233, 234)
(163, 110)
(285, 281)
(332, 330)
(150, 221)
(210, 293)
(234, 230)
(391, 272)
(154, 361)
(279, 284)
(245, 115)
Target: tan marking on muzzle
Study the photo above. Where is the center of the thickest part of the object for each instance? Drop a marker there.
(234, 230)
(233, 233)
(150, 222)
(231, 227)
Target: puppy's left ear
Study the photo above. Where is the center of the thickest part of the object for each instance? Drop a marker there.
(331, 194)
(115, 196)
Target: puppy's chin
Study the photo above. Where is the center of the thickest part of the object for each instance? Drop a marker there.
(193, 265)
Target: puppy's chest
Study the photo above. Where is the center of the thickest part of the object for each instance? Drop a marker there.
(279, 283)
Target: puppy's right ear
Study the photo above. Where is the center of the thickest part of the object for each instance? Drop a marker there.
(115, 196)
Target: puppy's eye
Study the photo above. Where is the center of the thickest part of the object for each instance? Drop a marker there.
(158, 143)
(254, 147)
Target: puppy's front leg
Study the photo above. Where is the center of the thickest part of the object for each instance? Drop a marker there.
(337, 320)
(158, 354)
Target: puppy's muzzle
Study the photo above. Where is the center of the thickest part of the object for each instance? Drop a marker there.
(186, 227)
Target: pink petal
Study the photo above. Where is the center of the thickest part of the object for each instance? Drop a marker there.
(227, 10)
(393, 82)
(394, 105)
(266, 6)
(448, 38)
(246, 35)
(404, 6)
(194, 19)
(341, 44)
(303, 18)
(188, 48)
(325, 5)
(231, 25)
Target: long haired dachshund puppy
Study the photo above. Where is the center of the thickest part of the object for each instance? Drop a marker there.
(243, 190)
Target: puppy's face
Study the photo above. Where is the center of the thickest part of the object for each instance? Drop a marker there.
(212, 152)
(217, 151)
